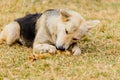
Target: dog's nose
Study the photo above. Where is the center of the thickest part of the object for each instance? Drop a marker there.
(61, 48)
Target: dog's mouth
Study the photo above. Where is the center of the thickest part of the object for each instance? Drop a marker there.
(72, 45)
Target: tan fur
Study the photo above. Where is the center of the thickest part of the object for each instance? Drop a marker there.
(65, 16)
(10, 33)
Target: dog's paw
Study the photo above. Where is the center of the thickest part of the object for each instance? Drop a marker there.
(50, 49)
(44, 48)
(76, 51)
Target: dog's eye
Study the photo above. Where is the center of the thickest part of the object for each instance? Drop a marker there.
(66, 31)
(75, 39)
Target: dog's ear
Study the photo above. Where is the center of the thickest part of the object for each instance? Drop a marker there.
(65, 15)
(92, 23)
(87, 25)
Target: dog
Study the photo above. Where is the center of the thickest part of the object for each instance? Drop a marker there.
(52, 30)
(60, 29)
(21, 30)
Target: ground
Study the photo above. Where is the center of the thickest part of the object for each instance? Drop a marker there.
(100, 58)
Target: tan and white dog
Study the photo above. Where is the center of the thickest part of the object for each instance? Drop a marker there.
(53, 29)
(61, 29)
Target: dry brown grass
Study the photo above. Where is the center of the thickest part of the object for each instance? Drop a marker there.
(101, 48)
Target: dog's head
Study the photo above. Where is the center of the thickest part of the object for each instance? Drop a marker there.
(71, 28)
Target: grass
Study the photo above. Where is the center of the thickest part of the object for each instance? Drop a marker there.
(100, 58)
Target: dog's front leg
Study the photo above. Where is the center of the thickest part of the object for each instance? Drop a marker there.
(43, 48)
(76, 49)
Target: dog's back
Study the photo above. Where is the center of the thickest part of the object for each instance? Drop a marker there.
(27, 28)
